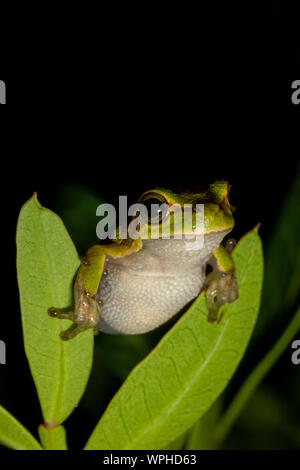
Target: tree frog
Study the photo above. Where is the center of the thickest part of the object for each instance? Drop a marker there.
(132, 286)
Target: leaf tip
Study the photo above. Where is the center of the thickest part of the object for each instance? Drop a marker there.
(34, 198)
(257, 227)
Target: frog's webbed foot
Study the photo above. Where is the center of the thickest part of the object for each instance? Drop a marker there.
(222, 288)
(82, 324)
(86, 315)
(56, 313)
(221, 284)
(69, 315)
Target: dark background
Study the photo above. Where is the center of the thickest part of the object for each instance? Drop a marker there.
(144, 99)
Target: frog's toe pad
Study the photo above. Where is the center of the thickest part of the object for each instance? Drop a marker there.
(53, 312)
(70, 332)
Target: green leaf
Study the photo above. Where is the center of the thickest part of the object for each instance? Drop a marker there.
(53, 438)
(177, 444)
(281, 287)
(182, 377)
(46, 263)
(201, 435)
(255, 378)
(14, 435)
(267, 422)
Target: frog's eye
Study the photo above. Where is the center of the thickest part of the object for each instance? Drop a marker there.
(233, 198)
(157, 207)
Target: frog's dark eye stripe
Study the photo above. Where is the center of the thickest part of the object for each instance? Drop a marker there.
(157, 207)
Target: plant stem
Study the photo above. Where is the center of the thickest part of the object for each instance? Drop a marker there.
(53, 438)
(252, 382)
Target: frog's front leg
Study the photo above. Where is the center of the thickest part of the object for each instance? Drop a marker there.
(86, 312)
(221, 285)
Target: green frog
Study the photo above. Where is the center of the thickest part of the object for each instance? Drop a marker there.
(135, 284)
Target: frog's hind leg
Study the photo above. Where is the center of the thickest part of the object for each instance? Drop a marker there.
(221, 285)
(73, 330)
(86, 312)
(86, 315)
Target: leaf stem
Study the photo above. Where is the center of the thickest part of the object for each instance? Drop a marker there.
(53, 438)
(254, 379)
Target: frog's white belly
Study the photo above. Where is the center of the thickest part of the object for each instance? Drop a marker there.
(142, 302)
(140, 292)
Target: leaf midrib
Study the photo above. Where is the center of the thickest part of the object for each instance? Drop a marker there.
(197, 374)
(186, 389)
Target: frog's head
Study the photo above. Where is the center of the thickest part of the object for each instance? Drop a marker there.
(165, 209)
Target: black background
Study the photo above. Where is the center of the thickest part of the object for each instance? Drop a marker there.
(142, 99)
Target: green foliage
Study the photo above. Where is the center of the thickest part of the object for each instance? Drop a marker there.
(201, 435)
(46, 263)
(173, 398)
(254, 379)
(14, 435)
(53, 438)
(281, 289)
